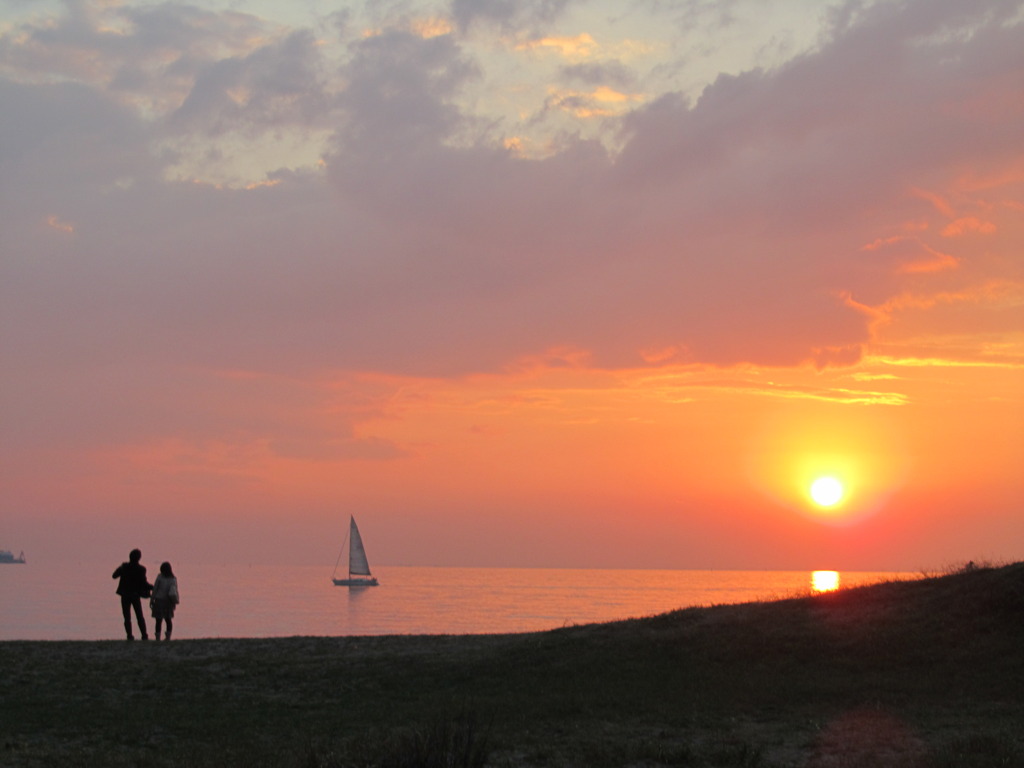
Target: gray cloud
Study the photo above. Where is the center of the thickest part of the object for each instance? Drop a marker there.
(613, 73)
(277, 84)
(399, 97)
(507, 14)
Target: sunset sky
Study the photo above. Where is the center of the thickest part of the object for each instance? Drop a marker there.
(561, 283)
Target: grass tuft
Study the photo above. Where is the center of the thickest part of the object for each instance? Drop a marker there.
(445, 742)
(982, 750)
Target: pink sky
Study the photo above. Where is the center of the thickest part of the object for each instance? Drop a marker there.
(531, 284)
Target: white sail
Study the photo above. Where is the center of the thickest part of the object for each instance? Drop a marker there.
(357, 563)
(358, 567)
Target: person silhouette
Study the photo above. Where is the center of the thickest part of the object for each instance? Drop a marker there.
(132, 587)
(165, 597)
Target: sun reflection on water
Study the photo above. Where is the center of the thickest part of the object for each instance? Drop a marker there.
(824, 581)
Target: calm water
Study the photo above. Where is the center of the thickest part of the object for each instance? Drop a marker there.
(77, 602)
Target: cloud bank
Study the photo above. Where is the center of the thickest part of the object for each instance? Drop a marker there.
(780, 219)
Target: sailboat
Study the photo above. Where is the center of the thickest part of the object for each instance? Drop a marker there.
(358, 568)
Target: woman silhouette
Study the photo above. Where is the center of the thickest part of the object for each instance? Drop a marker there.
(165, 597)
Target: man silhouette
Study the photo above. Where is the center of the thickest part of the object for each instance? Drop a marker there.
(132, 587)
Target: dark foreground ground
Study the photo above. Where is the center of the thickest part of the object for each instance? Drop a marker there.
(917, 674)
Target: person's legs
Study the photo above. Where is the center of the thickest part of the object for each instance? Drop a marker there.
(168, 635)
(157, 635)
(139, 617)
(126, 609)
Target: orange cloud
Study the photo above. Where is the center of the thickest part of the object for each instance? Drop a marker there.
(428, 28)
(968, 224)
(580, 47)
(933, 261)
(601, 102)
(910, 255)
(55, 222)
(941, 204)
(941, 362)
(996, 293)
(882, 242)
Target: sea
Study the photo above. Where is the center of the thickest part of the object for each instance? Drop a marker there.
(76, 601)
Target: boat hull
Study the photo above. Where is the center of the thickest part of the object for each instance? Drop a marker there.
(366, 582)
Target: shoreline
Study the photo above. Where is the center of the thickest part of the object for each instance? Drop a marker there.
(74, 603)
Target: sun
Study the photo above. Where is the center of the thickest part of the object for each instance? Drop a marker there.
(824, 581)
(826, 491)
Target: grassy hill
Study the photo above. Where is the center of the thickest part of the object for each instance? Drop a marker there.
(925, 673)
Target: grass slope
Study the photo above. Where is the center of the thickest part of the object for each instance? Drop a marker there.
(921, 674)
